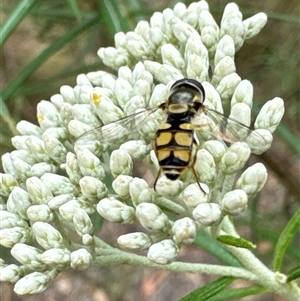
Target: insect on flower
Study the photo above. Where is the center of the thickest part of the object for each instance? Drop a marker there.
(175, 138)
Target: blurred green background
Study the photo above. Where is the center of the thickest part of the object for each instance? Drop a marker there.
(46, 44)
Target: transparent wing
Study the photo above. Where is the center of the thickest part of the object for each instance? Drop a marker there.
(212, 123)
(124, 129)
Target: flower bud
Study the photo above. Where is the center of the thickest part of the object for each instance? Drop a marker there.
(136, 45)
(82, 222)
(122, 89)
(115, 58)
(87, 239)
(10, 220)
(56, 257)
(108, 111)
(163, 252)
(243, 93)
(120, 163)
(22, 168)
(27, 255)
(192, 196)
(135, 241)
(81, 259)
(216, 148)
(231, 24)
(67, 93)
(210, 37)
(32, 283)
(163, 73)
(197, 67)
(92, 188)
(55, 149)
(167, 187)
(140, 192)
(136, 102)
(47, 114)
(39, 213)
(207, 214)
(159, 92)
(10, 273)
(84, 113)
(10, 236)
(225, 47)
(253, 179)
(78, 128)
(242, 113)
(234, 202)
(27, 128)
(7, 165)
(57, 100)
(59, 200)
(184, 231)
(135, 148)
(39, 169)
(37, 148)
(38, 191)
(18, 202)
(121, 185)
(254, 25)
(115, 211)
(72, 168)
(57, 184)
(227, 85)
(235, 157)
(89, 164)
(68, 209)
(205, 167)
(270, 115)
(171, 56)
(47, 236)
(83, 81)
(207, 20)
(224, 67)
(152, 218)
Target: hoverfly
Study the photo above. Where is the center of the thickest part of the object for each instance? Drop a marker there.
(174, 141)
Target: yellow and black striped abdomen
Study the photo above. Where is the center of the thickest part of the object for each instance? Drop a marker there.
(173, 145)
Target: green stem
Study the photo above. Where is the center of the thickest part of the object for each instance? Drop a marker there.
(264, 276)
(120, 257)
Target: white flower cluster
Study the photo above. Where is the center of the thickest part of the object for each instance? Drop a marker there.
(50, 183)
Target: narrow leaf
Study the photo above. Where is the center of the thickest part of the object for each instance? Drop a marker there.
(238, 293)
(294, 273)
(14, 19)
(236, 241)
(10, 90)
(285, 240)
(208, 290)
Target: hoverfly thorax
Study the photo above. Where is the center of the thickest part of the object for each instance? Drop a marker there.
(186, 96)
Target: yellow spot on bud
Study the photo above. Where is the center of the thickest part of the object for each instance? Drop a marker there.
(40, 117)
(96, 99)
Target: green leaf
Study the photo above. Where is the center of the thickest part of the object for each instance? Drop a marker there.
(238, 293)
(236, 241)
(285, 239)
(14, 19)
(115, 20)
(209, 244)
(11, 89)
(208, 290)
(294, 273)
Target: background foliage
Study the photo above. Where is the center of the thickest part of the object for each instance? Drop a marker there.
(46, 44)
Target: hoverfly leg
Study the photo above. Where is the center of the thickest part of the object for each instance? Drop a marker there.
(197, 180)
(157, 177)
